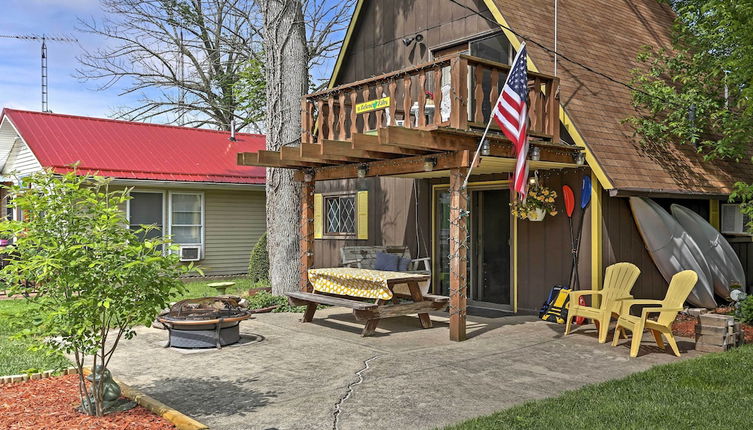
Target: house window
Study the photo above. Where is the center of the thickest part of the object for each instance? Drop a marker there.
(187, 218)
(146, 208)
(340, 215)
(494, 48)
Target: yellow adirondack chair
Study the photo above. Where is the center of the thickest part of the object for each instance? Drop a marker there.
(679, 288)
(619, 279)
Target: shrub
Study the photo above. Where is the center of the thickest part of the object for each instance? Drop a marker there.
(95, 280)
(265, 299)
(258, 266)
(745, 310)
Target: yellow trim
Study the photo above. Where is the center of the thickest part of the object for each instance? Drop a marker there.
(514, 257)
(564, 117)
(596, 235)
(346, 42)
(514, 253)
(362, 206)
(714, 213)
(318, 216)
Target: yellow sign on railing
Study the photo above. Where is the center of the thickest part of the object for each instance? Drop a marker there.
(373, 105)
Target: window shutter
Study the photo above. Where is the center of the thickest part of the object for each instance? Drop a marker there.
(714, 213)
(318, 216)
(363, 214)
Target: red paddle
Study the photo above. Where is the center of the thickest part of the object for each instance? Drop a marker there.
(567, 194)
(569, 197)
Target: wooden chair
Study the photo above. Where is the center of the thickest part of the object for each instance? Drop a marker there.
(679, 289)
(618, 281)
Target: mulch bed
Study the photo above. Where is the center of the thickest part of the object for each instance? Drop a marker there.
(50, 404)
(684, 325)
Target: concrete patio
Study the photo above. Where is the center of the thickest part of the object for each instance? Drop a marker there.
(288, 375)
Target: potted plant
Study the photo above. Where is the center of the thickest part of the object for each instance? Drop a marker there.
(539, 202)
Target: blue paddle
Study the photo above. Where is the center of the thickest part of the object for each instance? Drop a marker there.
(585, 200)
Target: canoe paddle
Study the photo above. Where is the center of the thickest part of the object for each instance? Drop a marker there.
(585, 200)
(569, 198)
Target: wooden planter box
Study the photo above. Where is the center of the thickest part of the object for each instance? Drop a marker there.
(714, 333)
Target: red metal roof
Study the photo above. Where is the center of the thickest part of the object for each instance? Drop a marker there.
(135, 150)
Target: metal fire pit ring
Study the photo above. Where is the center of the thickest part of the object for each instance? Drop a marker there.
(202, 333)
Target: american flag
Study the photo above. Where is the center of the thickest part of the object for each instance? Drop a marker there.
(511, 113)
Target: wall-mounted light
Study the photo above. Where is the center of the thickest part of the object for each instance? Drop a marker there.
(485, 149)
(580, 158)
(417, 38)
(362, 171)
(535, 153)
(429, 164)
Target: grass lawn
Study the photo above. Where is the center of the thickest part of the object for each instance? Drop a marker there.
(15, 357)
(199, 288)
(712, 391)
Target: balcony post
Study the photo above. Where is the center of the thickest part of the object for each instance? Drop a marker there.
(554, 110)
(458, 254)
(306, 121)
(459, 93)
(307, 232)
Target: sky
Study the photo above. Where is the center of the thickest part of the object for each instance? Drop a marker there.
(20, 71)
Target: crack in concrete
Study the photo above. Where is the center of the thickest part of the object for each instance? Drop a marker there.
(349, 391)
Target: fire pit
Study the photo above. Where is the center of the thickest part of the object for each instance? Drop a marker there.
(208, 322)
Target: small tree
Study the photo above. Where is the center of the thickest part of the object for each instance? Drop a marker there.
(94, 279)
(258, 265)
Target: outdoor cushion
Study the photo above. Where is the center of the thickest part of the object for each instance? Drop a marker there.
(387, 261)
(404, 265)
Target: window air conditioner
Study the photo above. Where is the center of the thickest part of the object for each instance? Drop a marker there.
(190, 253)
(733, 221)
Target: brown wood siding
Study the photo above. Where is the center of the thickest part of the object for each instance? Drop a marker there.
(544, 257)
(376, 46)
(393, 209)
(623, 242)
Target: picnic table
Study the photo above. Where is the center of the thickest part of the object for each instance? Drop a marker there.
(371, 294)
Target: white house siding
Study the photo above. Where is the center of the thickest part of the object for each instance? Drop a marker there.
(234, 222)
(8, 137)
(21, 161)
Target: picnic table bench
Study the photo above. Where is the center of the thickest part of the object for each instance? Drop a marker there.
(351, 288)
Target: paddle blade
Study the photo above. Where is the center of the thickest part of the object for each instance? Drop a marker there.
(581, 320)
(569, 197)
(585, 192)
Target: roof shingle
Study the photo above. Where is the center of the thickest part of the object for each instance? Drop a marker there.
(607, 36)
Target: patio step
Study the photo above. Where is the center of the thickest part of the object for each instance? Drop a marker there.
(300, 296)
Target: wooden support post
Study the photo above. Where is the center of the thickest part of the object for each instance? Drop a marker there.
(458, 253)
(307, 234)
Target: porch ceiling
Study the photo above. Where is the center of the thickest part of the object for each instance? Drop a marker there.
(398, 151)
(490, 165)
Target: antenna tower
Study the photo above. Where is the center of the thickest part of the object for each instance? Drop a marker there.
(43, 38)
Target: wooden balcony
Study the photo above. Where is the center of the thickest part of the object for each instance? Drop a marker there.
(434, 113)
(455, 92)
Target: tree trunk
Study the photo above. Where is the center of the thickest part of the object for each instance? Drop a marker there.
(287, 79)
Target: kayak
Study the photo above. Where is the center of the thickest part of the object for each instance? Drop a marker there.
(725, 265)
(672, 248)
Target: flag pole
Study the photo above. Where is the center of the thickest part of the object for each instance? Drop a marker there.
(483, 136)
(478, 151)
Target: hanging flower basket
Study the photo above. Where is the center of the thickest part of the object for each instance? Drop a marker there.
(539, 202)
(536, 215)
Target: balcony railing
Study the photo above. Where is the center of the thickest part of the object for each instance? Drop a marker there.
(456, 91)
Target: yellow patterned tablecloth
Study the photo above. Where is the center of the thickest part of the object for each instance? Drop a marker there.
(364, 283)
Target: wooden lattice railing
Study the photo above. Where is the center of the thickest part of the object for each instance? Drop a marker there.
(455, 91)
